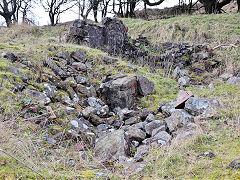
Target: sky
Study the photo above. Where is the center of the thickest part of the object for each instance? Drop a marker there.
(42, 17)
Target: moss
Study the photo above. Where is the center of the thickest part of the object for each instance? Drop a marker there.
(3, 64)
(57, 128)
(87, 174)
(25, 71)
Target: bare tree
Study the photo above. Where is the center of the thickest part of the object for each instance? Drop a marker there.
(7, 10)
(104, 7)
(57, 7)
(214, 6)
(23, 8)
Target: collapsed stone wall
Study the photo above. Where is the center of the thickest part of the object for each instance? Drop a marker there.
(177, 59)
(110, 36)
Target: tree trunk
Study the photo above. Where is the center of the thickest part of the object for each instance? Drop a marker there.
(8, 20)
(238, 3)
(52, 19)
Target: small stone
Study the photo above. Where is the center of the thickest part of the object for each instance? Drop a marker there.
(103, 111)
(207, 154)
(184, 81)
(94, 102)
(117, 123)
(91, 91)
(111, 146)
(103, 127)
(140, 125)
(88, 111)
(96, 120)
(79, 66)
(125, 113)
(201, 106)
(235, 164)
(164, 136)
(130, 121)
(226, 76)
(49, 90)
(168, 109)
(74, 123)
(142, 151)
(135, 144)
(176, 73)
(144, 113)
(136, 134)
(150, 118)
(81, 80)
(211, 85)
(79, 56)
(179, 118)
(157, 130)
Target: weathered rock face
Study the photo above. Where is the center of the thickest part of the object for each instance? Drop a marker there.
(121, 91)
(197, 106)
(111, 35)
(112, 146)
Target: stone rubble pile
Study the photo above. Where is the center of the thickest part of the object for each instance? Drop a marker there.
(107, 117)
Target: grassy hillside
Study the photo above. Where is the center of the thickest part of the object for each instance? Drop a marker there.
(177, 161)
(218, 135)
(212, 29)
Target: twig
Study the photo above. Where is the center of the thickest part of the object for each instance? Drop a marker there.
(225, 45)
(21, 163)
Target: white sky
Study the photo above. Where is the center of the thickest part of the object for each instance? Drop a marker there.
(43, 19)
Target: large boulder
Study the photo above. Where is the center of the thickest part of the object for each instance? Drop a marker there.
(112, 146)
(121, 92)
(201, 106)
(178, 119)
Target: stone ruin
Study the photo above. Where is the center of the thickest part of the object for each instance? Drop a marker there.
(109, 36)
(177, 59)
